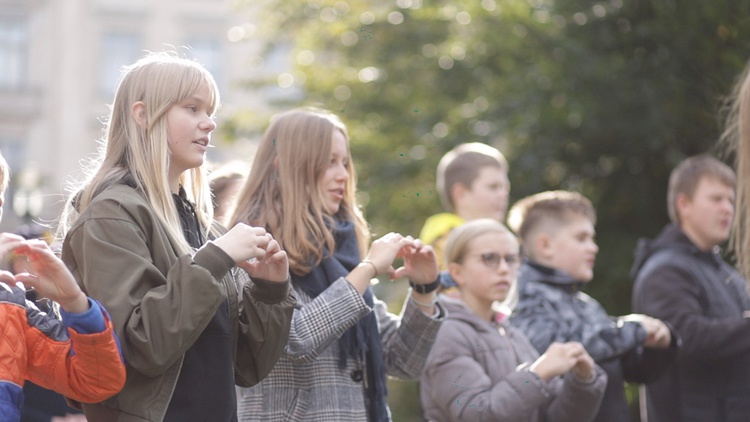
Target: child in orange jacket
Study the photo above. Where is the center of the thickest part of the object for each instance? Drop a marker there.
(78, 357)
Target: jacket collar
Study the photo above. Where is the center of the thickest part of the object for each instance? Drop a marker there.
(532, 271)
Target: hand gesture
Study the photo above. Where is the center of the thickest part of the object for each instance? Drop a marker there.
(584, 368)
(274, 267)
(384, 250)
(560, 358)
(244, 242)
(50, 277)
(420, 263)
(659, 336)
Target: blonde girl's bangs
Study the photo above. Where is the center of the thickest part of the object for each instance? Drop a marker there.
(174, 81)
(457, 245)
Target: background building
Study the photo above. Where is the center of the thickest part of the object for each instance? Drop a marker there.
(60, 64)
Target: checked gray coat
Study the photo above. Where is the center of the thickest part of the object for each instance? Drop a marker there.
(307, 384)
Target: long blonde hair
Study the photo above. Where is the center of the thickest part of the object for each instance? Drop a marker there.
(282, 192)
(130, 152)
(736, 137)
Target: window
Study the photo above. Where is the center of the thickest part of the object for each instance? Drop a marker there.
(13, 152)
(118, 50)
(14, 39)
(208, 53)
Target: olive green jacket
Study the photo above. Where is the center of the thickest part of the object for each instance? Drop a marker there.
(160, 301)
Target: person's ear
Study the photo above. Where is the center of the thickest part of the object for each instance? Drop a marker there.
(456, 271)
(458, 191)
(138, 111)
(543, 245)
(680, 204)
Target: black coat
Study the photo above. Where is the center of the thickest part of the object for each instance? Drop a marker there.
(703, 298)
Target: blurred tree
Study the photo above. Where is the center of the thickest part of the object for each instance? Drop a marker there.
(600, 97)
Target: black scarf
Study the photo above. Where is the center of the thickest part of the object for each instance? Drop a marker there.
(362, 337)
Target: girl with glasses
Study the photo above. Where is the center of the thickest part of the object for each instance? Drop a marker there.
(481, 368)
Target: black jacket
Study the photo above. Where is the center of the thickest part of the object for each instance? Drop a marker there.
(552, 309)
(703, 298)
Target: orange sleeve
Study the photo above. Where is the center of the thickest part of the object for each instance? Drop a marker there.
(12, 343)
(87, 368)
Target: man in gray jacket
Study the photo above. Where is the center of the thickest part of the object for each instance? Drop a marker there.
(681, 277)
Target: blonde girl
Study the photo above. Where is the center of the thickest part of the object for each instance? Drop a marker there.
(736, 137)
(343, 342)
(481, 368)
(139, 237)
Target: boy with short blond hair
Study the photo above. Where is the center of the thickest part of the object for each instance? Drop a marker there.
(556, 229)
(472, 182)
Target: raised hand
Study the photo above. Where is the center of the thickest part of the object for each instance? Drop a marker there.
(420, 263)
(584, 368)
(244, 242)
(560, 358)
(659, 336)
(50, 277)
(384, 250)
(273, 267)
(8, 242)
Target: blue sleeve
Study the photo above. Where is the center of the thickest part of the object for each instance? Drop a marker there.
(89, 322)
(11, 399)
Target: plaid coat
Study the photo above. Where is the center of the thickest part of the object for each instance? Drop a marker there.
(307, 384)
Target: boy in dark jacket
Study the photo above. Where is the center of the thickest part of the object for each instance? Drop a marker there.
(681, 277)
(557, 235)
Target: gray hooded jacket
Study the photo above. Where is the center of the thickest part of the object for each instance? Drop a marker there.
(478, 371)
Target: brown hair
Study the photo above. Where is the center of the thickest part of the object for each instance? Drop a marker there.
(225, 181)
(462, 165)
(282, 193)
(686, 176)
(530, 214)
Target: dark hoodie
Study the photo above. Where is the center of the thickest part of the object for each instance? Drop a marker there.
(551, 308)
(703, 298)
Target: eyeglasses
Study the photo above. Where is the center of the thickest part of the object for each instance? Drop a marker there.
(493, 260)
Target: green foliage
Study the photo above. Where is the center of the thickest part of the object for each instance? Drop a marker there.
(600, 97)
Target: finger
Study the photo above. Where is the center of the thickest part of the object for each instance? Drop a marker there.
(7, 278)
(261, 242)
(242, 227)
(272, 248)
(10, 237)
(277, 258)
(388, 237)
(23, 279)
(259, 231)
(245, 265)
(402, 242)
(427, 251)
(8, 243)
(33, 250)
(397, 273)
